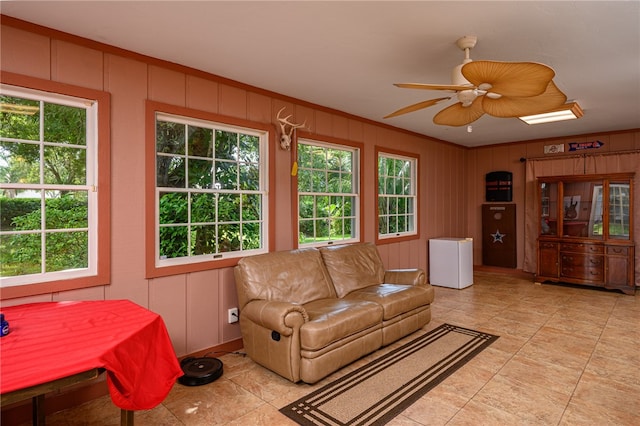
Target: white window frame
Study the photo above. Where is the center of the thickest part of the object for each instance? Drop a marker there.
(355, 216)
(412, 196)
(91, 182)
(262, 191)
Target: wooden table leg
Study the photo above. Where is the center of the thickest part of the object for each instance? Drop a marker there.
(126, 418)
(37, 410)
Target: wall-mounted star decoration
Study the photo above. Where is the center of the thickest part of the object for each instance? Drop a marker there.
(497, 237)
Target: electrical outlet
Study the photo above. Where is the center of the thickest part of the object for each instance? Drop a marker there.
(233, 315)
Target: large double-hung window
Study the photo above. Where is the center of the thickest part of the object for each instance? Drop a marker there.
(49, 188)
(210, 190)
(328, 193)
(397, 195)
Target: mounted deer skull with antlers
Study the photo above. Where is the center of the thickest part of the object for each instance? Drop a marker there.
(285, 136)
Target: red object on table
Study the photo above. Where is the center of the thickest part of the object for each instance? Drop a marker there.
(53, 340)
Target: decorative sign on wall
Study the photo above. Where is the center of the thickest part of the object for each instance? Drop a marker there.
(553, 149)
(577, 146)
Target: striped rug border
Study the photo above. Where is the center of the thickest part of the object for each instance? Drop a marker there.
(305, 411)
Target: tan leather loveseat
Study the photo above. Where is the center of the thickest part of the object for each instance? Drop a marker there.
(306, 313)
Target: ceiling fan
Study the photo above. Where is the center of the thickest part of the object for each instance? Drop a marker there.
(500, 89)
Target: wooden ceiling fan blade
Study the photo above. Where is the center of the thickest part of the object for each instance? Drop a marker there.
(457, 115)
(510, 78)
(416, 107)
(507, 107)
(423, 86)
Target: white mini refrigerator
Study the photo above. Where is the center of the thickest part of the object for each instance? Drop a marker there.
(451, 262)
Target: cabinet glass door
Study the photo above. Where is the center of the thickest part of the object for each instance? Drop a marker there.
(596, 221)
(577, 207)
(619, 197)
(549, 208)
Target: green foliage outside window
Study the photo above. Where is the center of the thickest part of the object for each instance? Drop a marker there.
(396, 195)
(326, 196)
(32, 155)
(209, 190)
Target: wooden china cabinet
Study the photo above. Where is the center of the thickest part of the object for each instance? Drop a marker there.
(585, 230)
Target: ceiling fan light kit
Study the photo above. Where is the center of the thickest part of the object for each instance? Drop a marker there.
(499, 89)
(569, 111)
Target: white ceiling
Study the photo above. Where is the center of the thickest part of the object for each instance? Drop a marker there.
(347, 55)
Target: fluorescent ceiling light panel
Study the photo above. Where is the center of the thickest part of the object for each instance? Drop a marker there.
(569, 111)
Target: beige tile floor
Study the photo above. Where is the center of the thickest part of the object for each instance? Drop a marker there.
(565, 356)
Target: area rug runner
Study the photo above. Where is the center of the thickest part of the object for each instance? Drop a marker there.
(379, 391)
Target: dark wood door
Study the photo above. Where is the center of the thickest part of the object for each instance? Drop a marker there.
(499, 235)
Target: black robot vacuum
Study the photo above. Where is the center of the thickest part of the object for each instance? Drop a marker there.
(200, 371)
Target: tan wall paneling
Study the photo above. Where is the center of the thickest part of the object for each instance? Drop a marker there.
(168, 297)
(481, 161)
(625, 141)
(356, 131)
(370, 133)
(166, 85)
(283, 163)
(202, 94)
(232, 101)
(77, 65)
(25, 53)
(203, 311)
(126, 80)
(339, 127)
(89, 293)
(228, 297)
(259, 107)
(194, 306)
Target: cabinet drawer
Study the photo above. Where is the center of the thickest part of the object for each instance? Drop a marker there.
(582, 266)
(547, 245)
(594, 274)
(618, 251)
(582, 248)
(581, 260)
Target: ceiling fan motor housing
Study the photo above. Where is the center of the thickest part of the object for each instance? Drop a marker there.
(466, 97)
(457, 79)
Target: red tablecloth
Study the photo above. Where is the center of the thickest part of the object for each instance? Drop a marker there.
(49, 341)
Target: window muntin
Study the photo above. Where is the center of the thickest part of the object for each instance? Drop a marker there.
(397, 195)
(48, 187)
(328, 193)
(211, 198)
(619, 208)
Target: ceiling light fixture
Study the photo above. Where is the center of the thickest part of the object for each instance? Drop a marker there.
(568, 111)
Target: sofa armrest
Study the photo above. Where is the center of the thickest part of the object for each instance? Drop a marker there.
(282, 317)
(405, 276)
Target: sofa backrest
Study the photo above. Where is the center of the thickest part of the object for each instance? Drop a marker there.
(353, 266)
(296, 276)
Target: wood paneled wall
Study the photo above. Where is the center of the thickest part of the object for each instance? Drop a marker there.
(194, 305)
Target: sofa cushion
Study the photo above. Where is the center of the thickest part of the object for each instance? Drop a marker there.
(395, 299)
(331, 320)
(353, 266)
(296, 276)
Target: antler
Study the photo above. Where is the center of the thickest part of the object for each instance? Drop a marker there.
(285, 137)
